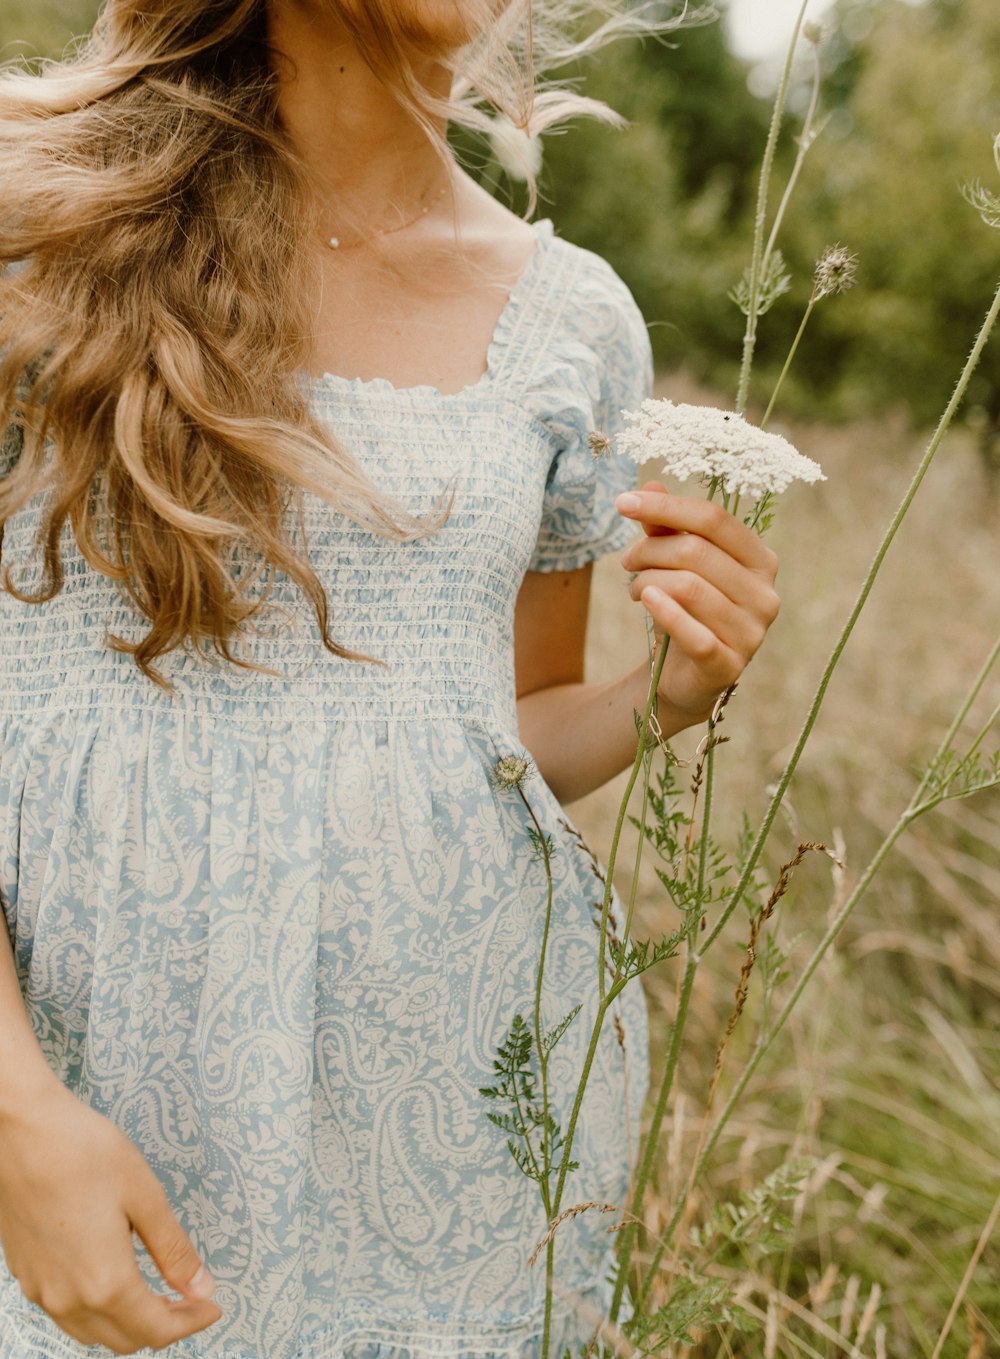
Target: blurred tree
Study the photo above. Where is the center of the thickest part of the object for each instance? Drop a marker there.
(923, 110)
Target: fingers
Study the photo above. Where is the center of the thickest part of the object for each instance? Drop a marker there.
(740, 629)
(688, 514)
(149, 1314)
(648, 527)
(690, 554)
(114, 1307)
(718, 664)
(171, 1248)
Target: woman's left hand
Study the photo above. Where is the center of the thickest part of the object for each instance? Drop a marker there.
(708, 581)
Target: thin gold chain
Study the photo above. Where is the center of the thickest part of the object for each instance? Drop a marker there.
(335, 243)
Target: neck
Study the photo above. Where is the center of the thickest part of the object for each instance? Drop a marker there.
(367, 155)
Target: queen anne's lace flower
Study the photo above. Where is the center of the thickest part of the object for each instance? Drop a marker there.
(510, 771)
(702, 441)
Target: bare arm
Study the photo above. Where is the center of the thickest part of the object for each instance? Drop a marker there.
(24, 1072)
(579, 735)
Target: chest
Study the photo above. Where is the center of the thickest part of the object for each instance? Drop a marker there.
(429, 326)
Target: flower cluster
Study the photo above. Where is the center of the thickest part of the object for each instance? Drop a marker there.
(714, 445)
(510, 771)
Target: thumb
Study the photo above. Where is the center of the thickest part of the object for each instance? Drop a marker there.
(170, 1247)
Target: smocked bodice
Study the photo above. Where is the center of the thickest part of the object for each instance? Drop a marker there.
(568, 352)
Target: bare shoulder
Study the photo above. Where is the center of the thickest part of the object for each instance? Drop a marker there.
(492, 238)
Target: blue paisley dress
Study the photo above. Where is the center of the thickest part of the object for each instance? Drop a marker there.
(275, 927)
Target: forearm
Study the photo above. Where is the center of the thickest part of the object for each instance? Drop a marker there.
(23, 1068)
(582, 735)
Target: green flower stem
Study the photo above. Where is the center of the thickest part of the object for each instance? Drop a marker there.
(652, 1137)
(543, 1061)
(543, 1066)
(607, 997)
(756, 261)
(788, 361)
(634, 888)
(706, 814)
(842, 640)
(654, 681)
(806, 139)
(627, 1242)
(549, 1274)
(588, 1062)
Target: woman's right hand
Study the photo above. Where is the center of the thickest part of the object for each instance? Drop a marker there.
(73, 1188)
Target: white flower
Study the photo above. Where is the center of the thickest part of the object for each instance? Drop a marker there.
(702, 441)
(519, 155)
(510, 771)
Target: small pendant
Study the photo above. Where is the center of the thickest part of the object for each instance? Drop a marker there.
(334, 243)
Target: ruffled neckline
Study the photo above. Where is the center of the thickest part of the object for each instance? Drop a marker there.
(507, 326)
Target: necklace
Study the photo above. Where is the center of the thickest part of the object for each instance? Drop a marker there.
(335, 243)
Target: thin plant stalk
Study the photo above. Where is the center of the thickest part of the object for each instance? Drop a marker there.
(652, 1137)
(788, 361)
(634, 887)
(628, 1235)
(866, 588)
(543, 1063)
(543, 1066)
(757, 258)
(606, 996)
(806, 140)
(963, 1287)
(637, 764)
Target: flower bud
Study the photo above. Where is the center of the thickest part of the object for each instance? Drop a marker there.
(510, 771)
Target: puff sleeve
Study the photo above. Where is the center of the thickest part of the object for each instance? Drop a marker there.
(605, 366)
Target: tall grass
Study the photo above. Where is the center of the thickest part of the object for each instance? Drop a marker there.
(890, 1075)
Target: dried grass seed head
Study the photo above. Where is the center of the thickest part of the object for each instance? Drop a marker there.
(836, 271)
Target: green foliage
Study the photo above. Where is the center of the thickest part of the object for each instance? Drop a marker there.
(915, 103)
(534, 1136)
(691, 885)
(759, 1220)
(696, 1303)
(919, 121)
(34, 28)
(909, 110)
(958, 776)
(775, 282)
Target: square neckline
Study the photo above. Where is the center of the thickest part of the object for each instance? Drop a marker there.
(505, 327)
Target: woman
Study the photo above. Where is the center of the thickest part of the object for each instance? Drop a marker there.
(272, 915)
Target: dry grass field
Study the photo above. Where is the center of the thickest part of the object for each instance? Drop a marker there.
(889, 1072)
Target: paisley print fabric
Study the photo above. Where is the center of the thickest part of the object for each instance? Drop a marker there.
(277, 925)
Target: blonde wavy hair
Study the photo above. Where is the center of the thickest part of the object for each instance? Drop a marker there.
(155, 333)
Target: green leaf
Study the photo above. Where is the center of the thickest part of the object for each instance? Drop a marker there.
(774, 283)
(549, 1040)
